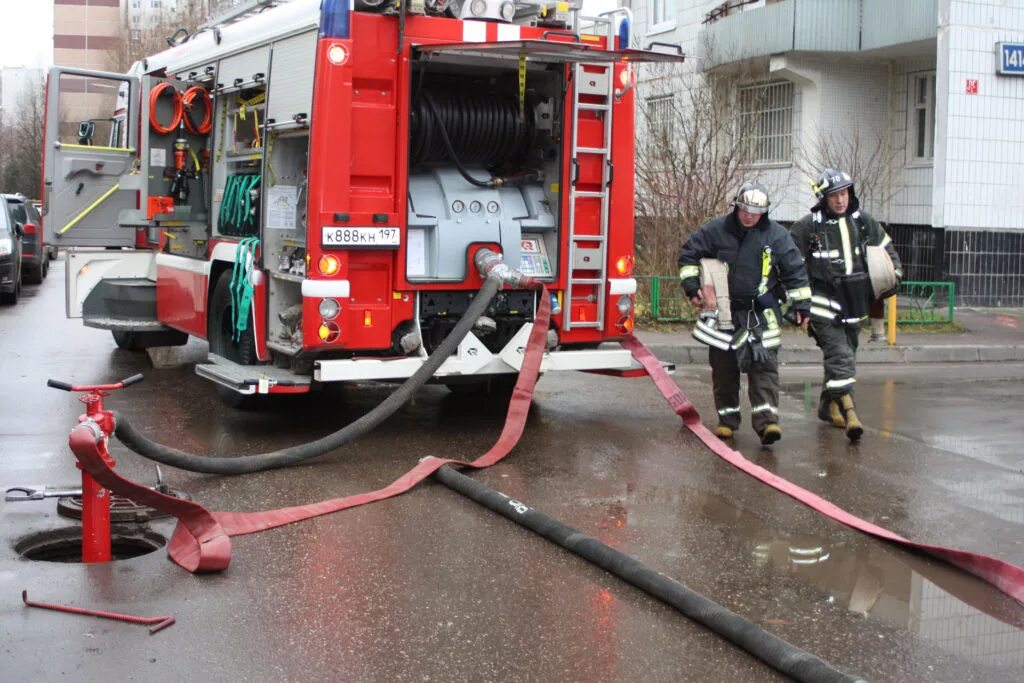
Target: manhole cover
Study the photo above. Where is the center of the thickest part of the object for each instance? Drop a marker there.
(122, 510)
(65, 545)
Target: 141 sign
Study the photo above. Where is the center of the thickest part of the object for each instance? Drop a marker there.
(1010, 58)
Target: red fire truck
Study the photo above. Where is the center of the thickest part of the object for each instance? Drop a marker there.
(304, 184)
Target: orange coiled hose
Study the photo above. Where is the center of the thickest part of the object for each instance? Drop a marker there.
(158, 90)
(188, 101)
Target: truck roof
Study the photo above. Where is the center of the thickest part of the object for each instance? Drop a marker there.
(203, 47)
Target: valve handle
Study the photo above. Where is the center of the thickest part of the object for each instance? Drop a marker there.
(64, 386)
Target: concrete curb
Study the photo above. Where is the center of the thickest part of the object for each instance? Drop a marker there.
(688, 354)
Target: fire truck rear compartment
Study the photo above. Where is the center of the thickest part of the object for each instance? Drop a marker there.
(484, 163)
(485, 160)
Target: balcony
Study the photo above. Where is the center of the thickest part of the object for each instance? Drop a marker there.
(745, 29)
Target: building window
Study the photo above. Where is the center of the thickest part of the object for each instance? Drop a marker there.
(766, 120)
(660, 112)
(921, 109)
(662, 16)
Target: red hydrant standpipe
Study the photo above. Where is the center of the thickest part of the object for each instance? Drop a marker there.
(95, 498)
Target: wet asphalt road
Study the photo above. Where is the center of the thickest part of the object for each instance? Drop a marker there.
(430, 586)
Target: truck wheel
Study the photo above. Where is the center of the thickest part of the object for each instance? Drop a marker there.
(221, 330)
(139, 341)
(220, 333)
(35, 274)
(12, 298)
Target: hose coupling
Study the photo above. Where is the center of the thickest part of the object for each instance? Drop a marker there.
(490, 264)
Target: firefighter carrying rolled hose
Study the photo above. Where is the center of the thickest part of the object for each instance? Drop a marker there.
(851, 262)
(738, 269)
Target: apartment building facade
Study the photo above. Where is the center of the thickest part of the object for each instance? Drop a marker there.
(925, 95)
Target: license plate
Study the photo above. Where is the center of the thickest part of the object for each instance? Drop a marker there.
(379, 238)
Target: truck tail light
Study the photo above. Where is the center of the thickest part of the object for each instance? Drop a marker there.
(329, 309)
(625, 325)
(624, 266)
(329, 265)
(329, 332)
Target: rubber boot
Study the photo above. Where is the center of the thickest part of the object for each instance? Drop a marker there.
(830, 412)
(723, 432)
(854, 428)
(770, 434)
(877, 330)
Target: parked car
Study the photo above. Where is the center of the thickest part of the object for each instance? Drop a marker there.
(35, 255)
(51, 250)
(10, 256)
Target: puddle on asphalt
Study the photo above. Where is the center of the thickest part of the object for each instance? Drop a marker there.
(938, 602)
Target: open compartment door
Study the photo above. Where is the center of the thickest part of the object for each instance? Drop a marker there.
(90, 173)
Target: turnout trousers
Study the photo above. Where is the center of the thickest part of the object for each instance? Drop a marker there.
(838, 345)
(762, 389)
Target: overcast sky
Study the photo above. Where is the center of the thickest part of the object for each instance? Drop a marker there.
(26, 30)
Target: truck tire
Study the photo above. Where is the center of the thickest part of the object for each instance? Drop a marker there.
(12, 298)
(34, 274)
(140, 341)
(220, 328)
(220, 334)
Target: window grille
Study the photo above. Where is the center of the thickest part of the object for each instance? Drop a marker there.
(766, 120)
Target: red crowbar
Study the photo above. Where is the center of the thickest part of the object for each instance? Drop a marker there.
(160, 622)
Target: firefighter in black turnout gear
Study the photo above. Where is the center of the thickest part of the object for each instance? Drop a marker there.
(755, 260)
(835, 240)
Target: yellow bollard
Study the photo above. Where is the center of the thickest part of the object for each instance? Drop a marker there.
(891, 307)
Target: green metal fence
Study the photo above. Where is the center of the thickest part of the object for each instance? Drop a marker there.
(919, 303)
(661, 298)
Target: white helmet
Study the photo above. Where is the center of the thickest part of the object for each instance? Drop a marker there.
(752, 197)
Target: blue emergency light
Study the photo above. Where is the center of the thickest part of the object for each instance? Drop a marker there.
(334, 18)
(624, 34)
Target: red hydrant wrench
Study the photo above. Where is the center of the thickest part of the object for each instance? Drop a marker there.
(160, 622)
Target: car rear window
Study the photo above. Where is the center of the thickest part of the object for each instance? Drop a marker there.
(18, 211)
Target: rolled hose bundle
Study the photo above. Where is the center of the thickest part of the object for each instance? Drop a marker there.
(246, 464)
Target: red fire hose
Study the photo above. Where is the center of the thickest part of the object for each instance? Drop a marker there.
(201, 540)
(188, 101)
(154, 96)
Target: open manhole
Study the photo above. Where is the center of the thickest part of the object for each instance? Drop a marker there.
(122, 510)
(65, 545)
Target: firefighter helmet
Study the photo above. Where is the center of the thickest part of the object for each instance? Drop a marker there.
(752, 197)
(832, 180)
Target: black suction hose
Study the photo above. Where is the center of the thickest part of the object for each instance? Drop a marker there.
(245, 464)
(783, 656)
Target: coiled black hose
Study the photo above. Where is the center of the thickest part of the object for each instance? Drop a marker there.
(481, 128)
(245, 464)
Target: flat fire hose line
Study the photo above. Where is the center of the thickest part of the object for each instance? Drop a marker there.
(201, 540)
(1008, 578)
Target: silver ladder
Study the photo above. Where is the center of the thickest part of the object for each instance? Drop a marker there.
(243, 11)
(600, 85)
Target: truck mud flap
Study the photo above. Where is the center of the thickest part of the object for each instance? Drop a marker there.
(253, 379)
